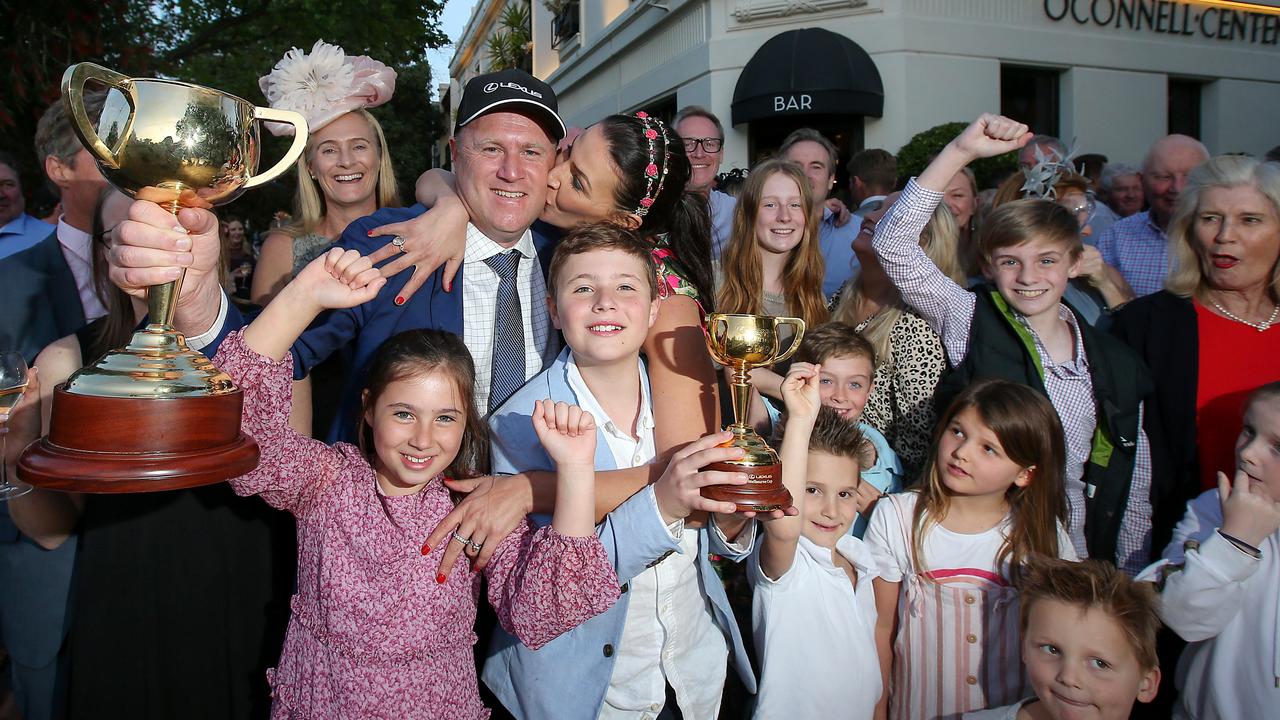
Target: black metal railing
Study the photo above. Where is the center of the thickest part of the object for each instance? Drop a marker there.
(565, 24)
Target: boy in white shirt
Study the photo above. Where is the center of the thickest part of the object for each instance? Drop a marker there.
(813, 611)
(1088, 643)
(1221, 580)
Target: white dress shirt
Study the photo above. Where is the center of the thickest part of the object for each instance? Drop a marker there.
(479, 302)
(628, 451)
(77, 248)
(816, 634)
(669, 637)
(1225, 604)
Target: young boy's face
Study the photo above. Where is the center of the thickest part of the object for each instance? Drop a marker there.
(1081, 665)
(1033, 276)
(1258, 447)
(603, 305)
(831, 498)
(845, 383)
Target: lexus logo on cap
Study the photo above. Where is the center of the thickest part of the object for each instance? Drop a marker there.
(491, 87)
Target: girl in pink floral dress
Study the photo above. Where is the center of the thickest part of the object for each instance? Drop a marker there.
(375, 632)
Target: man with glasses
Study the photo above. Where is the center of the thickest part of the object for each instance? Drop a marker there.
(704, 144)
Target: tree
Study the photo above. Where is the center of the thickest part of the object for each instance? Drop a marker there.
(920, 149)
(225, 44)
(512, 45)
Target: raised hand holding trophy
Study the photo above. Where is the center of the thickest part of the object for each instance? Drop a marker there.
(742, 343)
(157, 415)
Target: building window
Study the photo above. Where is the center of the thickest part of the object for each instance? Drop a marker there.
(1030, 95)
(566, 15)
(663, 108)
(1184, 106)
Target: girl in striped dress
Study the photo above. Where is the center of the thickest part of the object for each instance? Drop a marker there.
(950, 550)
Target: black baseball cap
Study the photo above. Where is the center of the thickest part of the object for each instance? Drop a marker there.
(510, 91)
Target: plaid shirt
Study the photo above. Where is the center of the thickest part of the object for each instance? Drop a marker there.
(949, 308)
(1139, 250)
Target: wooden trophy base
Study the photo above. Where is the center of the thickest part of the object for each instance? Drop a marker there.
(764, 491)
(125, 445)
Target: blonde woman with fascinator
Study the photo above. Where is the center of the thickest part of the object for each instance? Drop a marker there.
(345, 173)
(909, 355)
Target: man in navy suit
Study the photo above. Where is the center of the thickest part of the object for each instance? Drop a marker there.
(47, 292)
(503, 148)
(46, 288)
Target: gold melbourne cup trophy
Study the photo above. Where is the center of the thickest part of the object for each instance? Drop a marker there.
(741, 343)
(155, 414)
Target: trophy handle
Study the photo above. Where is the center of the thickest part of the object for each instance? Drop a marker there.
(795, 340)
(716, 329)
(299, 124)
(73, 81)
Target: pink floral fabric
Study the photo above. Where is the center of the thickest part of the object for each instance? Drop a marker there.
(373, 635)
(672, 277)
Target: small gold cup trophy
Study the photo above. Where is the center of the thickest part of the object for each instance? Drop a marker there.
(155, 414)
(742, 343)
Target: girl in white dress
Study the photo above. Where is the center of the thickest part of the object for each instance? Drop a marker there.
(950, 552)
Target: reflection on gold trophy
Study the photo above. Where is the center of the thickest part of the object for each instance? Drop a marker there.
(742, 343)
(155, 414)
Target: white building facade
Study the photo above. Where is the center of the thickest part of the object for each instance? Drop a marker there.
(1112, 74)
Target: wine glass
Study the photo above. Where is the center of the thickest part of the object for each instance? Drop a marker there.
(13, 383)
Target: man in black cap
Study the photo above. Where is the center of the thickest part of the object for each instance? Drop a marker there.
(503, 147)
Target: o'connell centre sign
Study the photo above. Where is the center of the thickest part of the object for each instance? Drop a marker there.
(1248, 23)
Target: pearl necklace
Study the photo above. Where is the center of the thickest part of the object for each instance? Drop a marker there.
(1260, 327)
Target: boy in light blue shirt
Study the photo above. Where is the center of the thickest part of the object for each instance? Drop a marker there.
(848, 365)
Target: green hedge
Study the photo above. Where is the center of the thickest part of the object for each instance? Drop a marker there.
(915, 155)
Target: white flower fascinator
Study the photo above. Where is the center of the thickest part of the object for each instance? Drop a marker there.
(325, 85)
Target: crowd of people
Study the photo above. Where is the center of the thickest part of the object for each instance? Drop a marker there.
(1031, 434)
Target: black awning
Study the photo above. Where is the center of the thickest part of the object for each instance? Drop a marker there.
(808, 72)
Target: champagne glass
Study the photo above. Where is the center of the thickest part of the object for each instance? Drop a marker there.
(13, 383)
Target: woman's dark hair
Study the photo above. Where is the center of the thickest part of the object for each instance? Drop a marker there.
(418, 352)
(120, 321)
(683, 217)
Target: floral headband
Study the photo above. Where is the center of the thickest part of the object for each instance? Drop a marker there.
(325, 85)
(653, 127)
(1042, 178)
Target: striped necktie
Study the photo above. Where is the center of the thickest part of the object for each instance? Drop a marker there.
(508, 331)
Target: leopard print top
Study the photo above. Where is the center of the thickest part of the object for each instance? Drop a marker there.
(901, 402)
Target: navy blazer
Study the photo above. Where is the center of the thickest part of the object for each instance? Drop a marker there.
(39, 297)
(367, 326)
(40, 304)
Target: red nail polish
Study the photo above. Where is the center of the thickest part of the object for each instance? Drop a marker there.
(426, 549)
(399, 300)
(370, 233)
(440, 578)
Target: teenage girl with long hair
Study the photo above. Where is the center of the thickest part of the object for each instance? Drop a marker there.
(772, 264)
